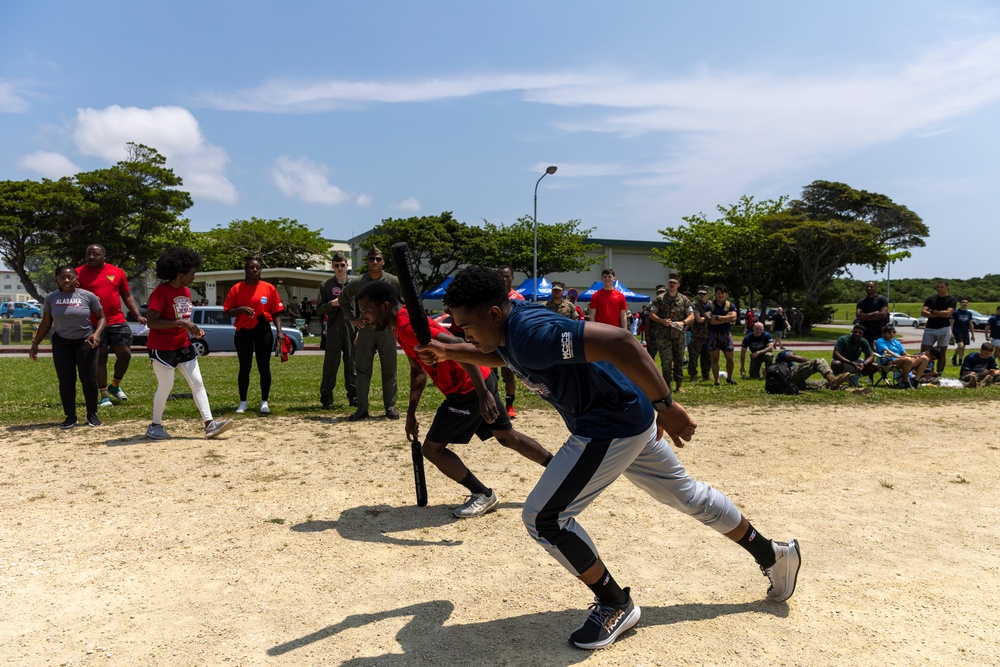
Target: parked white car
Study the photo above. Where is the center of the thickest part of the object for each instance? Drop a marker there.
(903, 320)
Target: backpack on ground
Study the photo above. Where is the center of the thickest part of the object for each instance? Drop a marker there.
(778, 380)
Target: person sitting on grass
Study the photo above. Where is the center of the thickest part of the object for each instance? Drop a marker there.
(852, 353)
(761, 345)
(803, 369)
(979, 369)
(892, 353)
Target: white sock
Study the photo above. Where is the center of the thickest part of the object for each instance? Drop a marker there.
(242, 406)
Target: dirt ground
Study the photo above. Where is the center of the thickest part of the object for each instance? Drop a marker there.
(296, 541)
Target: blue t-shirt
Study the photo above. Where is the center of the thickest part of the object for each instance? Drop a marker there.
(973, 363)
(782, 358)
(961, 319)
(881, 345)
(993, 324)
(721, 310)
(756, 343)
(595, 400)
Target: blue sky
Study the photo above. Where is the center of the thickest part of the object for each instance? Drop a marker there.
(341, 114)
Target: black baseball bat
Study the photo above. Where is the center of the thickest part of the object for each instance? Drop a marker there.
(418, 472)
(403, 262)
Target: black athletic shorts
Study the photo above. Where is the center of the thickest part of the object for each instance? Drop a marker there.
(458, 418)
(962, 337)
(173, 358)
(116, 334)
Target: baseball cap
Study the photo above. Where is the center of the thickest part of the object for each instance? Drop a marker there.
(702, 291)
(661, 288)
(558, 284)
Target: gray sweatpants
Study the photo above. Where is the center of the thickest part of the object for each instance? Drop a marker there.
(583, 468)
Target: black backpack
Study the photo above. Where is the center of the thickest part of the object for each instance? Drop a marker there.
(778, 380)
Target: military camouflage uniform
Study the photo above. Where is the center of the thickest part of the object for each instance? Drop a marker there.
(698, 347)
(564, 307)
(670, 340)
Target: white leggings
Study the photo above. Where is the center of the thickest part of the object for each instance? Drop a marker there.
(165, 384)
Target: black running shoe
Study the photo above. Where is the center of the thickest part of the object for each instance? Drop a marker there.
(69, 422)
(604, 624)
(92, 420)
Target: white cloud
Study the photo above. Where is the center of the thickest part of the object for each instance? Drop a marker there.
(306, 180)
(298, 97)
(13, 97)
(48, 164)
(173, 131)
(364, 200)
(410, 204)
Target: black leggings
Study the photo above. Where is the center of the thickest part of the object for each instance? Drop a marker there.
(258, 341)
(73, 357)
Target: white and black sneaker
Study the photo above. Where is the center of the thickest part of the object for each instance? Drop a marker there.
(605, 623)
(477, 505)
(785, 571)
(69, 422)
(216, 428)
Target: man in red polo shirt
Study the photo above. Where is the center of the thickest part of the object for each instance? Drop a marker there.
(608, 304)
(111, 287)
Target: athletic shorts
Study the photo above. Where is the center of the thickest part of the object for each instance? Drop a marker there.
(720, 341)
(962, 337)
(116, 334)
(458, 418)
(996, 342)
(173, 358)
(937, 337)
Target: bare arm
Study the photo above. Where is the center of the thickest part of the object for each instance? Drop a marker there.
(623, 318)
(43, 330)
(604, 343)
(133, 307)
(418, 380)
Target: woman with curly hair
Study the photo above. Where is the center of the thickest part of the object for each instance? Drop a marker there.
(170, 330)
(256, 305)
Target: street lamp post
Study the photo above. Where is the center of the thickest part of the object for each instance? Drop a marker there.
(534, 271)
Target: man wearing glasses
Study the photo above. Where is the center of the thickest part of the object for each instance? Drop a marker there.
(340, 336)
(370, 341)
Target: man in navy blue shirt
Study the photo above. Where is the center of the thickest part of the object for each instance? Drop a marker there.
(962, 330)
(993, 330)
(979, 369)
(760, 344)
(721, 313)
(616, 405)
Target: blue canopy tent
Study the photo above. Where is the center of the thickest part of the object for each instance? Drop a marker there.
(629, 294)
(526, 289)
(437, 292)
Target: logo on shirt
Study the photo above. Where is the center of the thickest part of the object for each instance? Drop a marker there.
(567, 345)
(263, 300)
(110, 278)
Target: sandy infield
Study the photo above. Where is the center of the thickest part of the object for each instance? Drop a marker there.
(296, 541)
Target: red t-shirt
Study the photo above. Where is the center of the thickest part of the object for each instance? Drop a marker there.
(607, 306)
(262, 297)
(515, 295)
(110, 285)
(173, 303)
(449, 376)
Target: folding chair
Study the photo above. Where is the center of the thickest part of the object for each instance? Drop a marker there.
(888, 375)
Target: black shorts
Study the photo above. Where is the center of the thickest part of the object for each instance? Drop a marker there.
(173, 358)
(458, 418)
(962, 337)
(116, 334)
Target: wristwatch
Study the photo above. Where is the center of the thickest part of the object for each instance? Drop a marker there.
(663, 403)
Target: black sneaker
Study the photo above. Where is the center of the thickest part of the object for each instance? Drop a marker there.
(92, 420)
(392, 413)
(358, 416)
(731, 381)
(604, 624)
(328, 406)
(69, 422)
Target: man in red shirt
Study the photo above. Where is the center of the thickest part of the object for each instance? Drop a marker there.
(111, 287)
(471, 405)
(608, 304)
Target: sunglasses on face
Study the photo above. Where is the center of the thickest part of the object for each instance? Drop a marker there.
(376, 259)
(337, 265)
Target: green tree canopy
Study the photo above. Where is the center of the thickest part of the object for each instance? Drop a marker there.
(439, 244)
(562, 247)
(277, 242)
(735, 250)
(133, 209)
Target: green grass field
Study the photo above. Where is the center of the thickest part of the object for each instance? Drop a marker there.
(844, 312)
(29, 393)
